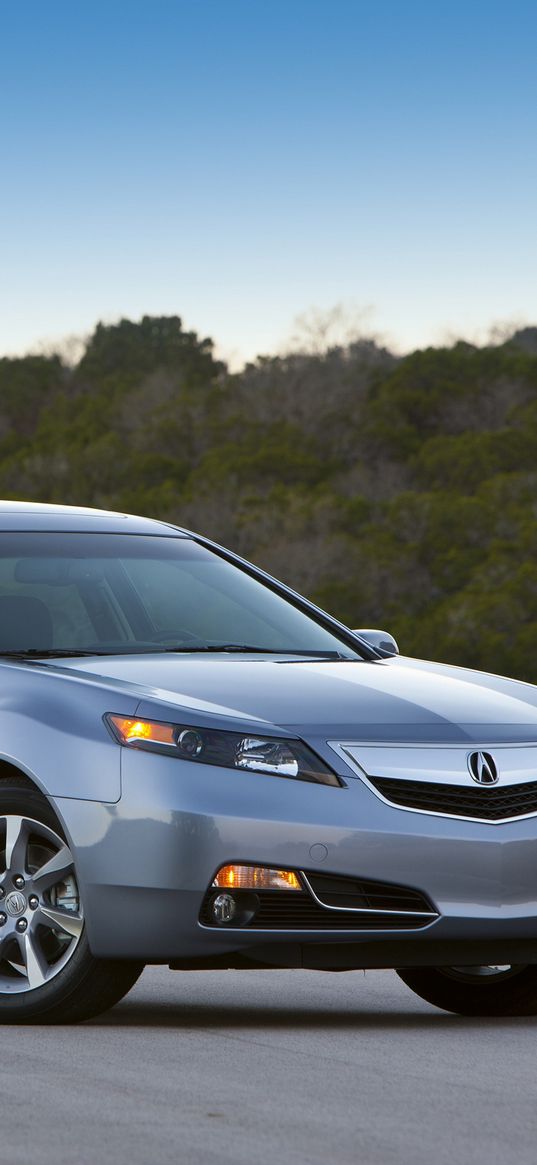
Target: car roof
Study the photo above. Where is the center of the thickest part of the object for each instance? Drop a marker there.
(40, 516)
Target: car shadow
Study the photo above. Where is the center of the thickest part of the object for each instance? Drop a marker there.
(204, 1017)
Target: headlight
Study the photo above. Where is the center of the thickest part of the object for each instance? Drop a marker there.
(232, 750)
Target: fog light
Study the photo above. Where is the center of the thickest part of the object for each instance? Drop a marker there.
(224, 908)
(256, 878)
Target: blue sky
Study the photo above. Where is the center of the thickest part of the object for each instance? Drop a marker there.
(237, 163)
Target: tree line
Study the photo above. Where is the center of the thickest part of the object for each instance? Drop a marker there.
(398, 492)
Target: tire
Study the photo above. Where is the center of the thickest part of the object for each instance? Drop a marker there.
(476, 990)
(47, 971)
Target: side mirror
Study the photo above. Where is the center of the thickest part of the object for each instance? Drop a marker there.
(381, 640)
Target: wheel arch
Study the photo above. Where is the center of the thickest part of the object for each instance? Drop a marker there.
(27, 781)
(9, 769)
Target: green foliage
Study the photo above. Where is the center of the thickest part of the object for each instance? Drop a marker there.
(130, 350)
(395, 492)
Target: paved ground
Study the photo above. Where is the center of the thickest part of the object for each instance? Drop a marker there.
(291, 1067)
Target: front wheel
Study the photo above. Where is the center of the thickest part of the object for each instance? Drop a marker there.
(482, 990)
(47, 971)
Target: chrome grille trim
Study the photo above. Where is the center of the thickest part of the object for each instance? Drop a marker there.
(368, 910)
(462, 781)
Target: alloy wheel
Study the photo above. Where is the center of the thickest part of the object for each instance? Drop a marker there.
(482, 973)
(41, 916)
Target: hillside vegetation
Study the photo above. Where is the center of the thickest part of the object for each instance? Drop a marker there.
(395, 492)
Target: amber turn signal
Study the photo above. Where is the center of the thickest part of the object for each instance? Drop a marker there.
(134, 731)
(256, 878)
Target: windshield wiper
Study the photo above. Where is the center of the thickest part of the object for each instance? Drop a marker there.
(249, 649)
(32, 653)
(47, 653)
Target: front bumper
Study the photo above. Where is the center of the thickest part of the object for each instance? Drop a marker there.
(145, 863)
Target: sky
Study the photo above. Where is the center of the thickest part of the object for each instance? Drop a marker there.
(242, 162)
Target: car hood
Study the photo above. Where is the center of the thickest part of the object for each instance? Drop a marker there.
(390, 700)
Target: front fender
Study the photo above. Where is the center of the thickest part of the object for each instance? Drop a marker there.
(52, 729)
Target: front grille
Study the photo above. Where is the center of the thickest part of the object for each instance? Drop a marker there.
(298, 910)
(484, 803)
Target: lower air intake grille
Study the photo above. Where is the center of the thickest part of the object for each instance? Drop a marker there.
(384, 907)
(364, 895)
(484, 803)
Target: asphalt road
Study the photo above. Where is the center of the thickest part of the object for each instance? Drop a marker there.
(293, 1067)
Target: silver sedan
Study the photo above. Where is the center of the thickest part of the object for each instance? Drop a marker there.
(199, 768)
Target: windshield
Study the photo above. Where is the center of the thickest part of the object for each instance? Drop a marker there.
(115, 593)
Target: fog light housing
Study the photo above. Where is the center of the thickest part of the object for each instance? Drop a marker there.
(224, 908)
(236, 909)
(239, 877)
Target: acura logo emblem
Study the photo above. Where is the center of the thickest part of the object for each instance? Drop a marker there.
(483, 768)
(15, 903)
